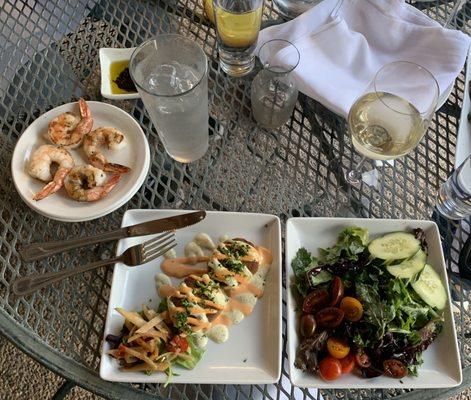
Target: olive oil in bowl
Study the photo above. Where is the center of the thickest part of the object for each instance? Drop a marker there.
(120, 79)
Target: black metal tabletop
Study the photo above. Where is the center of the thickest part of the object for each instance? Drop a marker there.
(50, 56)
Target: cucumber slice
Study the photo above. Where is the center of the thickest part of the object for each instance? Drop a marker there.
(408, 268)
(430, 288)
(394, 246)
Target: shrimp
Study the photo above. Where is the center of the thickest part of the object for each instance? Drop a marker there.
(40, 167)
(97, 138)
(67, 130)
(87, 183)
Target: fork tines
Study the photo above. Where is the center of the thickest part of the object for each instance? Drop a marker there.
(158, 246)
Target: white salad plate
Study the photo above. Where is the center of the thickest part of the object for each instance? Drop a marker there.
(252, 354)
(441, 367)
(107, 56)
(60, 206)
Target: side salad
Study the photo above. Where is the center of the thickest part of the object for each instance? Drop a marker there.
(368, 307)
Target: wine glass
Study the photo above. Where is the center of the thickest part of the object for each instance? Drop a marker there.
(392, 115)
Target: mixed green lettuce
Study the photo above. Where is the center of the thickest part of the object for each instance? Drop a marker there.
(397, 323)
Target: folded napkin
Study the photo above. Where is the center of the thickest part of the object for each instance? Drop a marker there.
(344, 43)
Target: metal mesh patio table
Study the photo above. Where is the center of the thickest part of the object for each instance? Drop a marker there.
(50, 57)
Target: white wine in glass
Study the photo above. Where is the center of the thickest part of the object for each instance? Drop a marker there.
(380, 133)
(393, 114)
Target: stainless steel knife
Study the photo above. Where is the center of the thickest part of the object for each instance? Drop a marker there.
(36, 251)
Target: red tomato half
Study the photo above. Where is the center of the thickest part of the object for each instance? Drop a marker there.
(347, 363)
(330, 368)
(178, 344)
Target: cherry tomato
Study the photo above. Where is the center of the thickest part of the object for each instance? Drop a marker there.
(315, 301)
(347, 363)
(394, 368)
(121, 350)
(337, 291)
(178, 344)
(307, 325)
(352, 308)
(330, 368)
(362, 359)
(337, 348)
(329, 317)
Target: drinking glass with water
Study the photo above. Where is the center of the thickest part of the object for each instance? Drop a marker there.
(171, 76)
(454, 196)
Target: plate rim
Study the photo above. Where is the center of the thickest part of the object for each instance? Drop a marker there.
(114, 206)
(279, 287)
(291, 332)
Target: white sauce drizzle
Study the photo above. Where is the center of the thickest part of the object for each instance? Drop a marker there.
(218, 333)
(223, 238)
(203, 240)
(161, 279)
(193, 250)
(170, 254)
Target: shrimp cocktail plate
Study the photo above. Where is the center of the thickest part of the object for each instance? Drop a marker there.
(209, 311)
(80, 161)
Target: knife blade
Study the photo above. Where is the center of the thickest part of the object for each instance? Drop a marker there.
(37, 251)
(165, 224)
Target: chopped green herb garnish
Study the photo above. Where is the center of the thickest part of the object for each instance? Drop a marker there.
(186, 303)
(233, 265)
(181, 322)
(235, 249)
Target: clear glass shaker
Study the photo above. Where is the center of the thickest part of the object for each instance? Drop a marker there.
(274, 92)
(454, 196)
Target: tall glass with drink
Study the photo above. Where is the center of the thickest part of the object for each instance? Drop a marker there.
(392, 115)
(237, 27)
(171, 76)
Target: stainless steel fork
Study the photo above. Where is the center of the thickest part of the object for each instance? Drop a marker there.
(136, 255)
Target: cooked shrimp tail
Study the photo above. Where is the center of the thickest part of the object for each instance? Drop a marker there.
(101, 191)
(67, 130)
(116, 168)
(54, 185)
(84, 109)
(114, 139)
(87, 183)
(40, 167)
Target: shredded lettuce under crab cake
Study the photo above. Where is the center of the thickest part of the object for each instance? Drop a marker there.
(215, 292)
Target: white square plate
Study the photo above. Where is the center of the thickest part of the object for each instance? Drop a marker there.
(252, 354)
(441, 367)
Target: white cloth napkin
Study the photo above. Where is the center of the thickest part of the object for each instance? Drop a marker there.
(344, 43)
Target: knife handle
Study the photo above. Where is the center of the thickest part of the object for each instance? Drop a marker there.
(36, 251)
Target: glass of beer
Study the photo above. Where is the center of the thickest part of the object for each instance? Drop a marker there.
(392, 115)
(237, 27)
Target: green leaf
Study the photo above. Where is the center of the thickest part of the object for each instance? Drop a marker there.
(321, 277)
(351, 242)
(193, 350)
(302, 262)
(162, 305)
(377, 312)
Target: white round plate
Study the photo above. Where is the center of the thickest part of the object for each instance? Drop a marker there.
(60, 206)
